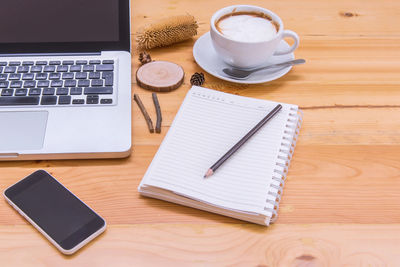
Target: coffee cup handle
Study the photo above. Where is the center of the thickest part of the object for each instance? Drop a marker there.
(295, 37)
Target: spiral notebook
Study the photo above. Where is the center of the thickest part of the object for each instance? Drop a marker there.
(248, 186)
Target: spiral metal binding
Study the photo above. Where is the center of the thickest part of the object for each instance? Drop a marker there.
(288, 144)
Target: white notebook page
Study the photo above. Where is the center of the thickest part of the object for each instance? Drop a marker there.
(207, 125)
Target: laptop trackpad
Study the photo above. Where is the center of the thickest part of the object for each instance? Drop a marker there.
(22, 130)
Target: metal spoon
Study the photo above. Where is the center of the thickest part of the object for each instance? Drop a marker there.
(243, 74)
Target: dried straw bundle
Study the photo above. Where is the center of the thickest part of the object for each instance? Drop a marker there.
(167, 31)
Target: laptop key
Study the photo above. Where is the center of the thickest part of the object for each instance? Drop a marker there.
(109, 77)
(75, 68)
(106, 101)
(64, 100)
(67, 75)
(41, 62)
(17, 101)
(78, 101)
(55, 76)
(55, 62)
(107, 61)
(94, 75)
(36, 68)
(21, 92)
(28, 76)
(35, 91)
(94, 62)
(68, 62)
(16, 84)
(57, 83)
(98, 90)
(83, 83)
(3, 76)
(41, 76)
(88, 68)
(106, 67)
(14, 63)
(43, 84)
(3, 63)
(27, 63)
(97, 82)
(62, 91)
(48, 100)
(49, 91)
(70, 83)
(10, 69)
(23, 69)
(109, 82)
(62, 68)
(107, 74)
(92, 99)
(81, 75)
(14, 76)
(4, 84)
(76, 91)
(29, 84)
(49, 68)
(81, 62)
(7, 92)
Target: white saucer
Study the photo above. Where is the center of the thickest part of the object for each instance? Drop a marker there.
(207, 58)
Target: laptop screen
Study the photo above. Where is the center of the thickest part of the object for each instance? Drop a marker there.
(63, 25)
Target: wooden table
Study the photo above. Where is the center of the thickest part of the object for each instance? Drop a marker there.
(341, 203)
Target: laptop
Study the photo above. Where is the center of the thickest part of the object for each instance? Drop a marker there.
(65, 79)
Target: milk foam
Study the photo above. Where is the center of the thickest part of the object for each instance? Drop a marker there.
(247, 28)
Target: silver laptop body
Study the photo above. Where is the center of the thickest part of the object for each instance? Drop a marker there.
(65, 90)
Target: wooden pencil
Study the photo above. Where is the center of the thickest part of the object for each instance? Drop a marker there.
(244, 139)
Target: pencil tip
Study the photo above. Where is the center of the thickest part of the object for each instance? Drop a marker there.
(208, 173)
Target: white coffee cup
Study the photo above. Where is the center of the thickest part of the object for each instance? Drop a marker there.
(245, 54)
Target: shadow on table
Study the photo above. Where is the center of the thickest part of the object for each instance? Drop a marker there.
(185, 214)
(250, 90)
(63, 163)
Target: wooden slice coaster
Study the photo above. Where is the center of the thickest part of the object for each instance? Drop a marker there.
(160, 76)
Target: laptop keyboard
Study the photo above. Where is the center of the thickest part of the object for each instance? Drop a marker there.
(56, 83)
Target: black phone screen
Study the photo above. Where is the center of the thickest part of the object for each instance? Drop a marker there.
(68, 26)
(60, 214)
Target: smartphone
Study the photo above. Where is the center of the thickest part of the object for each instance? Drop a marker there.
(59, 215)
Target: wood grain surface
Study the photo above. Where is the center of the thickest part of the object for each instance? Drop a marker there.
(160, 76)
(341, 203)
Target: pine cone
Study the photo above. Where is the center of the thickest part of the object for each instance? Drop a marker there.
(197, 79)
(144, 57)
